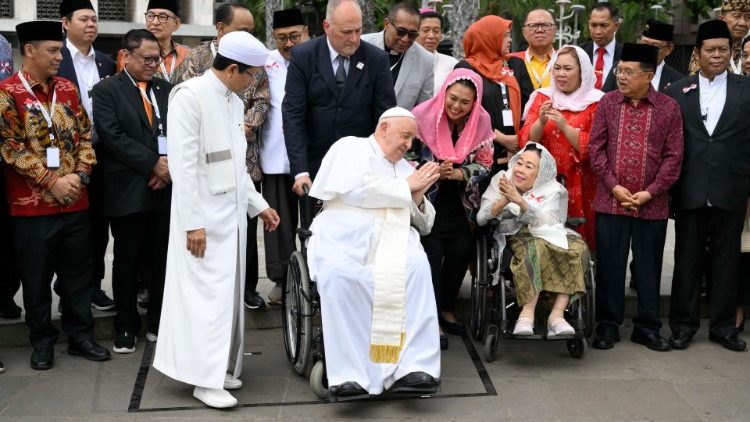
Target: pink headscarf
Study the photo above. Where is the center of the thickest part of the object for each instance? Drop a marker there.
(433, 124)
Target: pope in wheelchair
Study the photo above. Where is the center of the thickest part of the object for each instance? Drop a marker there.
(380, 326)
(532, 207)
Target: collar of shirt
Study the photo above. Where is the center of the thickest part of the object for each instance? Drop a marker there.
(376, 147)
(718, 80)
(217, 84)
(38, 87)
(173, 49)
(657, 75)
(610, 48)
(543, 59)
(332, 51)
(75, 52)
(650, 96)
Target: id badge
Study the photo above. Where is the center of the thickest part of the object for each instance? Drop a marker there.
(162, 140)
(53, 157)
(507, 117)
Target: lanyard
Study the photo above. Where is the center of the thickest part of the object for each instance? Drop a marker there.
(47, 114)
(504, 93)
(539, 79)
(151, 100)
(398, 61)
(168, 76)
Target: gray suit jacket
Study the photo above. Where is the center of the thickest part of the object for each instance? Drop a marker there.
(416, 77)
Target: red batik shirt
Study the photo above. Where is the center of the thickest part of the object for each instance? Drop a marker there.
(24, 138)
(638, 147)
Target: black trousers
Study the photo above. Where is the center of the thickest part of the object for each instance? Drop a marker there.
(158, 238)
(280, 243)
(615, 236)
(10, 281)
(720, 231)
(251, 257)
(449, 259)
(99, 223)
(48, 245)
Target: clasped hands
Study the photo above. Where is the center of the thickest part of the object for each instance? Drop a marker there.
(67, 189)
(548, 113)
(630, 201)
(159, 177)
(422, 179)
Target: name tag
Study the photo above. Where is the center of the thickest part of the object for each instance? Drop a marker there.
(507, 117)
(162, 140)
(53, 157)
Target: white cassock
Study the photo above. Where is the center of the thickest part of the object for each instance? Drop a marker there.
(357, 185)
(202, 319)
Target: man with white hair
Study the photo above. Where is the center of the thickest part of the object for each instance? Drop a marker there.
(380, 323)
(201, 332)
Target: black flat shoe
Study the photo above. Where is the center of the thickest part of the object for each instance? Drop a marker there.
(443, 342)
(349, 390)
(453, 328)
(415, 383)
(42, 358)
(653, 341)
(605, 343)
(680, 340)
(731, 342)
(88, 349)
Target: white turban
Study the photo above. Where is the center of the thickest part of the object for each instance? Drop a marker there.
(396, 112)
(243, 48)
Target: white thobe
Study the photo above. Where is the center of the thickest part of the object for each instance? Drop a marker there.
(357, 184)
(202, 319)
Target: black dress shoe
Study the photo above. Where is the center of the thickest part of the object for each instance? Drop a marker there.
(653, 341)
(2, 367)
(453, 328)
(605, 343)
(42, 358)
(349, 389)
(88, 349)
(9, 309)
(443, 342)
(731, 342)
(415, 382)
(680, 340)
(253, 301)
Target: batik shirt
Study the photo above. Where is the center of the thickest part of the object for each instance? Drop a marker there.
(638, 147)
(257, 99)
(25, 137)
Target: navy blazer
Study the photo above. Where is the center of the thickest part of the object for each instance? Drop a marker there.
(610, 83)
(715, 167)
(104, 65)
(316, 114)
(668, 76)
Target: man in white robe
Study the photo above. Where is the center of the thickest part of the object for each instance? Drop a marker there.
(202, 324)
(380, 325)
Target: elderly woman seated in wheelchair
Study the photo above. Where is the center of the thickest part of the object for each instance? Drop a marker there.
(532, 208)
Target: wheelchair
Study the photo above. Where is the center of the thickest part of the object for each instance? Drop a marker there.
(494, 308)
(303, 334)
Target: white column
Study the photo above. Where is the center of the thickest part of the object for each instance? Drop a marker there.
(139, 9)
(24, 10)
(201, 12)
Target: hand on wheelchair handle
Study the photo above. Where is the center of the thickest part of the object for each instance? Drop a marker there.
(302, 185)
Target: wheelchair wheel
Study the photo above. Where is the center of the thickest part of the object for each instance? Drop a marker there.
(479, 289)
(576, 347)
(490, 348)
(319, 380)
(588, 310)
(297, 313)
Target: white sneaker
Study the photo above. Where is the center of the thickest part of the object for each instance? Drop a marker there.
(151, 337)
(231, 383)
(215, 397)
(524, 327)
(274, 296)
(559, 327)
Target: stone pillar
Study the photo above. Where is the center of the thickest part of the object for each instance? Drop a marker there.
(271, 6)
(463, 14)
(24, 10)
(368, 16)
(201, 12)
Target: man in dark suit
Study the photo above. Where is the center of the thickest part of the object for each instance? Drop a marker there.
(336, 86)
(85, 67)
(130, 115)
(660, 35)
(711, 197)
(603, 48)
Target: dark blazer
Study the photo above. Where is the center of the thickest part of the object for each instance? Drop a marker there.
(715, 168)
(104, 65)
(130, 145)
(668, 76)
(316, 114)
(610, 83)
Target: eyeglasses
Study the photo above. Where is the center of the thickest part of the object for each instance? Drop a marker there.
(402, 32)
(282, 39)
(627, 73)
(546, 26)
(149, 60)
(163, 17)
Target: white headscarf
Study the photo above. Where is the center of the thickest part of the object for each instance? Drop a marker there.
(579, 99)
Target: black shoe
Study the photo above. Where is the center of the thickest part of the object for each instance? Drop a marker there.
(605, 343)
(253, 300)
(653, 341)
(349, 389)
(731, 342)
(2, 367)
(124, 343)
(88, 349)
(443, 342)
(680, 340)
(415, 382)
(9, 309)
(101, 301)
(454, 328)
(42, 358)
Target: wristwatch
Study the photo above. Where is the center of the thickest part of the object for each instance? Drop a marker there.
(84, 177)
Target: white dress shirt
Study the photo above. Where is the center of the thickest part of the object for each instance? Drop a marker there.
(273, 156)
(657, 76)
(609, 57)
(713, 95)
(334, 54)
(86, 73)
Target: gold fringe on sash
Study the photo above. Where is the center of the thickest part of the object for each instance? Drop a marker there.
(386, 353)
